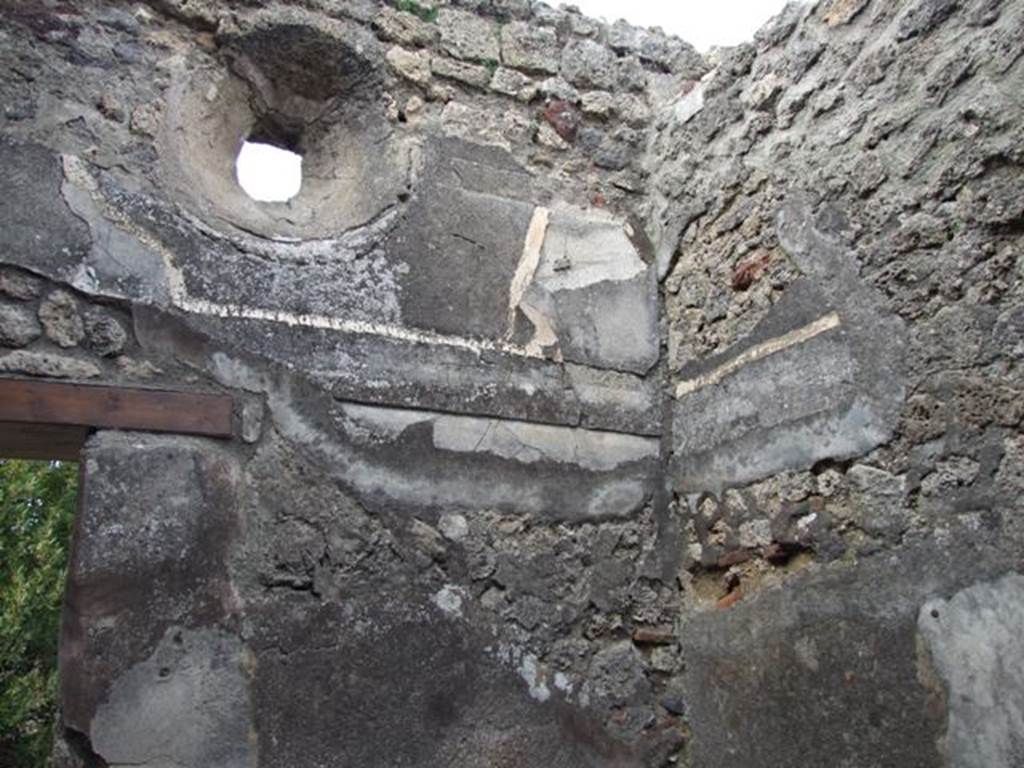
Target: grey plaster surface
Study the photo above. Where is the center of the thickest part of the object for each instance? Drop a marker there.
(975, 639)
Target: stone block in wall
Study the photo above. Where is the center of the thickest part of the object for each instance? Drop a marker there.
(863, 664)
(589, 64)
(61, 319)
(468, 36)
(105, 334)
(48, 365)
(475, 75)
(20, 286)
(18, 326)
(535, 49)
(413, 66)
(149, 599)
(511, 82)
(405, 28)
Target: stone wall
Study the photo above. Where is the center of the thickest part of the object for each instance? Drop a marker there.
(839, 208)
(596, 402)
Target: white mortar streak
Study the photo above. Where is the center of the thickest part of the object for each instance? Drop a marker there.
(528, 264)
(759, 352)
(397, 332)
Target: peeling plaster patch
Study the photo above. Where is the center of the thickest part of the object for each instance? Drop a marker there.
(520, 441)
(121, 255)
(530, 672)
(583, 248)
(530, 443)
(687, 107)
(449, 600)
(761, 351)
(976, 644)
(373, 423)
(187, 701)
(527, 267)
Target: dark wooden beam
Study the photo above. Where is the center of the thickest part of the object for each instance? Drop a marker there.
(102, 407)
(41, 441)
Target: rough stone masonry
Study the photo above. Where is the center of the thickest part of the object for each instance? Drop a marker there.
(597, 403)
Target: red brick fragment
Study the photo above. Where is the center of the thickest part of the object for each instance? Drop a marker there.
(730, 600)
(750, 271)
(564, 118)
(653, 636)
(735, 557)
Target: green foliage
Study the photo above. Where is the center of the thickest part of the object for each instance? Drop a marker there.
(426, 11)
(37, 503)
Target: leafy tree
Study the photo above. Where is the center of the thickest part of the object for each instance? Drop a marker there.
(37, 504)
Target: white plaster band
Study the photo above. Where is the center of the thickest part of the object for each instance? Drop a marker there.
(759, 352)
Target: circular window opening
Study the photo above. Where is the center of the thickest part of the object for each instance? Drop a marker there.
(267, 173)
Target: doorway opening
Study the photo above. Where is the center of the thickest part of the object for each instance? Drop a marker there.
(37, 510)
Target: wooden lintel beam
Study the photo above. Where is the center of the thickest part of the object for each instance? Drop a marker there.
(41, 441)
(104, 407)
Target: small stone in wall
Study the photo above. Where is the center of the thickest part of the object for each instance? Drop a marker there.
(428, 540)
(105, 334)
(750, 270)
(467, 36)
(1011, 469)
(756, 533)
(598, 103)
(470, 74)
(512, 83)
(453, 526)
(838, 12)
(59, 316)
(18, 326)
(564, 118)
(137, 369)
(111, 108)
(18, 285)
(531, 48)
(548, 137)
(252, 420)
(48, 365)
(405, 28)
(414, 67)
(589, 64)
(145, 120)
(949, 475)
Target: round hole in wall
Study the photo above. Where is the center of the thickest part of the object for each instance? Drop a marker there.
(268, 173)
(310, 88)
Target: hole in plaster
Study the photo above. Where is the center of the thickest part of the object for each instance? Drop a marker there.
(268, 173)
(310, 90)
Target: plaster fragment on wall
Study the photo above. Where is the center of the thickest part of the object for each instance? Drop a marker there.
(530, 443)
(529, 670)
(690, 105)
(759, 352)
(449, 599)
(975, 641)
